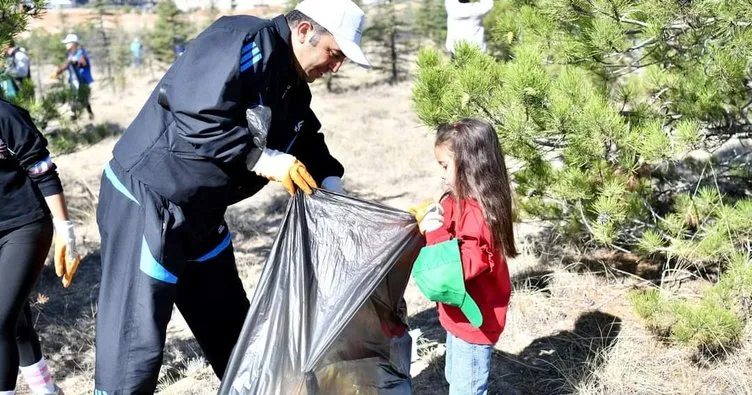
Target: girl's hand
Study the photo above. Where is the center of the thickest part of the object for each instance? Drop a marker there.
(430, 216)
(419, 211)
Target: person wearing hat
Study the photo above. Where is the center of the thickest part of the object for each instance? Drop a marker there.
(231, 114)
(78, 67)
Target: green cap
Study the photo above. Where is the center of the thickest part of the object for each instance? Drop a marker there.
(438, 273)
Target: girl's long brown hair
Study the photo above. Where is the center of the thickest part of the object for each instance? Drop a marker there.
(481, 174)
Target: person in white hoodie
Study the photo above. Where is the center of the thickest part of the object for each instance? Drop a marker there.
(17, 68)
(465, 22)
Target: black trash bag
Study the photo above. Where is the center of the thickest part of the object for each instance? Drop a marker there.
(328, 315)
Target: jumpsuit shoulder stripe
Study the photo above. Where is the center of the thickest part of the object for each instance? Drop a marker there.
(117, 184)
(249, 55)
(152, 268)
(248, 47)
(253, 61)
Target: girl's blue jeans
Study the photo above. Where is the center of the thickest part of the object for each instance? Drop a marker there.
(467, 366)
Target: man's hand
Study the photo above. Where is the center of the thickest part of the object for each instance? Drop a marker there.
(430, 216)
(67, 258)
(298, 176)
(286, 169)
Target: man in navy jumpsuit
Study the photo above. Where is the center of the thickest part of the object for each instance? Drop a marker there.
(231, 114)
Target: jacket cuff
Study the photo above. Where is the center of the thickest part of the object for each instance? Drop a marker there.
(253, 157)
(50, 187)
(333, 184)
(437, 236)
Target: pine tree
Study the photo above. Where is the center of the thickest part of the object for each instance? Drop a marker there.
(98, 41)
(391, 31)
(168, 30)
(596, 99)
(121, 55)
(43, 48)
(599, 102)
(431, 21)
(15, 17)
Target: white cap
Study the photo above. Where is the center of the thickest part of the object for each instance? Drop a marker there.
(344, 20)
(70, 38)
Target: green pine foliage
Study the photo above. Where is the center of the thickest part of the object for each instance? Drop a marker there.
(599, 103)
(42, 48)
(431, 21)
(713, 324)
(706, 326)
(15, 17)
(734, 289)
(168, 30)
(594, 97)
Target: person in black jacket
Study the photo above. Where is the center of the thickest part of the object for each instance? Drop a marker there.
(31, 205)
(232, 113)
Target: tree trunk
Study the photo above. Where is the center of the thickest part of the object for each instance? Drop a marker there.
(393, 48)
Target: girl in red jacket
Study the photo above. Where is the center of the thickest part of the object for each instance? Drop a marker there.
(477, 212)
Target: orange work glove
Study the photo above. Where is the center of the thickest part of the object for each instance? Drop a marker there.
(286, 169)
(298, 176)
(67, 258)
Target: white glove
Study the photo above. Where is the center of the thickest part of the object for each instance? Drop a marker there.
(333, 184)
(273, 165)
(433, 219)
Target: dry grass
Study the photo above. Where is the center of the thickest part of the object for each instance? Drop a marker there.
(570, 330)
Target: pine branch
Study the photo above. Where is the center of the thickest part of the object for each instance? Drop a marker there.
(634, 22)
(636, 64)
(631, 69)
(657, 96)
(548, 143)
(705, 23)
(584, 219)
(488, 114)
(743, 130)
(587, 225)
(641, 45)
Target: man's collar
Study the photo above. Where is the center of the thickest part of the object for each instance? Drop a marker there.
(284, 31)
(283, 28)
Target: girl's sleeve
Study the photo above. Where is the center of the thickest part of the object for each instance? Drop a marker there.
(476, 256)
(30, 150)
(473, 239)
(443, 233)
